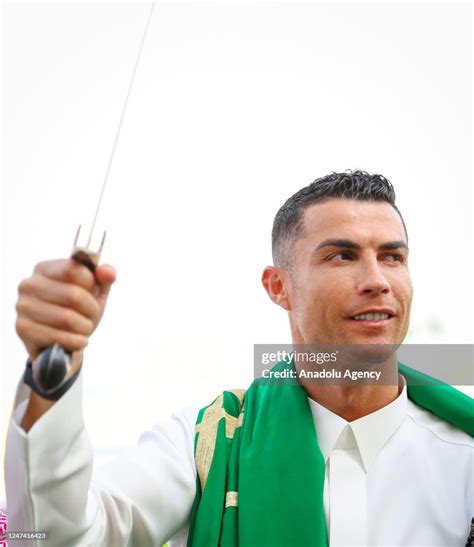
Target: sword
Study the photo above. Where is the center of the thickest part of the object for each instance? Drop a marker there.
(51, 369)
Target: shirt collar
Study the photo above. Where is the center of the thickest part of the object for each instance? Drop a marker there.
(369, 433)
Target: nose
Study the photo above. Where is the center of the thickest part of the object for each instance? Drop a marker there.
(372, 279)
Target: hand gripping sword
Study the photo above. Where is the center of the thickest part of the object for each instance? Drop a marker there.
(51, 369)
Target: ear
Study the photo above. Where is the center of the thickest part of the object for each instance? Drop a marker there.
(278, 286)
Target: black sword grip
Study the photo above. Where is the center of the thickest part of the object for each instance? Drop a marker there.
(51, 367)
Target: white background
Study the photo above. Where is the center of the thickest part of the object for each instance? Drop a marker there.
(235, 107)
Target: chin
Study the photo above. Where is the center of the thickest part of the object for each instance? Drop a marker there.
(369, 349)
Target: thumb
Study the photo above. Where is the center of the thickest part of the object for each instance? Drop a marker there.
(105, 276)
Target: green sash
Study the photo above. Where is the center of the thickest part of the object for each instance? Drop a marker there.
(261, 478)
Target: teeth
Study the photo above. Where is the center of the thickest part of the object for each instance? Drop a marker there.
(372, 316)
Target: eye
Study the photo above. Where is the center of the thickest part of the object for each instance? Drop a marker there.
(342, 255)
(396, 257)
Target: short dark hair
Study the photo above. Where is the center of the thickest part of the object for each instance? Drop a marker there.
(353, 184)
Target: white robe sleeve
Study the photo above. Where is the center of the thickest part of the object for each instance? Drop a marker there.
(143, 497)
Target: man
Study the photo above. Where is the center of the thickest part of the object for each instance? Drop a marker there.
(278, 465)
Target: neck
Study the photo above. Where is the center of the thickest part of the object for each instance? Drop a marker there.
(355, 402)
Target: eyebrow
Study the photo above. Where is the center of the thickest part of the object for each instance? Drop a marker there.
(348, 244)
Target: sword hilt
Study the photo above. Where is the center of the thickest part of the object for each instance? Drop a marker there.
(51, 369)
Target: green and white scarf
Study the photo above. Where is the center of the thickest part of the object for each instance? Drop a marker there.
(260, 469)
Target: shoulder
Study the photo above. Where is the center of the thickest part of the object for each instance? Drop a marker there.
(438, 429)
(174, 434)
(181, 424)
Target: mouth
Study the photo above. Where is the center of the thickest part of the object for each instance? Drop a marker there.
(373, 318)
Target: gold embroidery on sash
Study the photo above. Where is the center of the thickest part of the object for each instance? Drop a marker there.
(207, 429)
(232, 499)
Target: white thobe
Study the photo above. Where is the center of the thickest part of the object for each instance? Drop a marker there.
(397, 477)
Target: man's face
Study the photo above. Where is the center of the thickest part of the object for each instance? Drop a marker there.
(352, 262)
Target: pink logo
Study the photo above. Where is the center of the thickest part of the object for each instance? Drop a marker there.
(3, 529)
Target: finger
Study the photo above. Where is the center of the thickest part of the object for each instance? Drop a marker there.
(58, 317)
(105, 276)
(62, 294)
(67, 271)
(44, 336)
